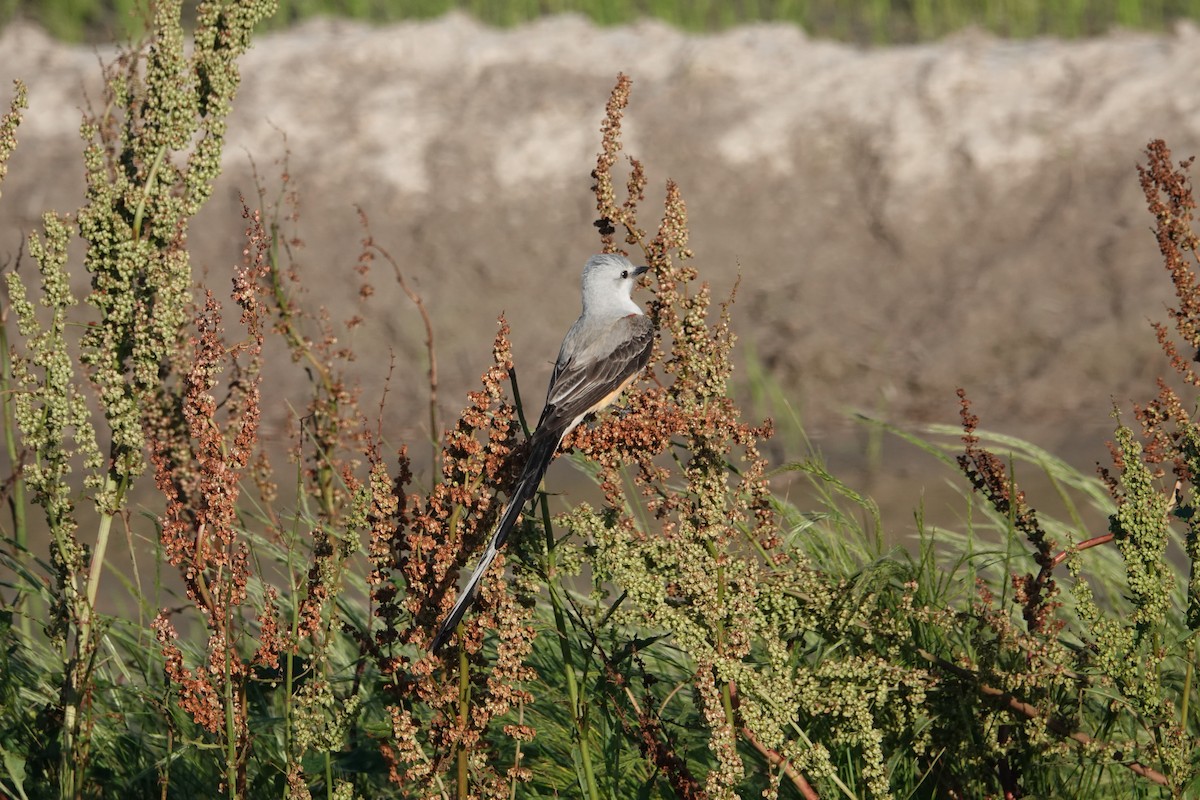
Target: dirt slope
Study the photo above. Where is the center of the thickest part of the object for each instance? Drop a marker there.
(905, 220)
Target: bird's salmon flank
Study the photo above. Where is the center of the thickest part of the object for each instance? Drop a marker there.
(602, 353)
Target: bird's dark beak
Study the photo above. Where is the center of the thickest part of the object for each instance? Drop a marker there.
(640, 271)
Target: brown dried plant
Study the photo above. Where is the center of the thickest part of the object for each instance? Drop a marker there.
(987, 474)
(201, 533)
(200, 467)
(1171, 433)
(420, 542)
(1043, 683)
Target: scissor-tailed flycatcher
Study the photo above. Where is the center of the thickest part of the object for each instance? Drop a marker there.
(603, 352)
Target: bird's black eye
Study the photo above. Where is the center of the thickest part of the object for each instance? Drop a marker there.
(624, 274)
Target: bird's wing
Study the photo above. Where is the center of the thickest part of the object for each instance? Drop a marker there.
(593, 374)
(592, 369)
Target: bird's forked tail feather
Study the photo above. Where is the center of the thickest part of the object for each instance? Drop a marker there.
(541, 451)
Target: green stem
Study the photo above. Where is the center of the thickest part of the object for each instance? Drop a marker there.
(17, 498)
(512, 379)
(117, 490)
(564, 643)
(325, 480)
(1187, 684)
(560, 621)
(79, 665)
(726, 693)
(231, 757)
(165, 781)
(146, 190)
(512, 786)
(70, 693)
(289, 663)
(464, 708)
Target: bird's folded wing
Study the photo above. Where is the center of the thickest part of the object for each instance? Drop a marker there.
(596, 372)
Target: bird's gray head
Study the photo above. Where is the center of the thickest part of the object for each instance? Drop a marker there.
(608, 280)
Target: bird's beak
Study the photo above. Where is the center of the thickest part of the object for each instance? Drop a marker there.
(640, 271)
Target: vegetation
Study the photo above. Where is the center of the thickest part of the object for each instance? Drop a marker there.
(694, 636)
(865, 21)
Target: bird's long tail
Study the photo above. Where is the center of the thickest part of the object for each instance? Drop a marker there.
(541, 451)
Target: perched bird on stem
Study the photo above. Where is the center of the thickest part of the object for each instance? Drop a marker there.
(601, 354)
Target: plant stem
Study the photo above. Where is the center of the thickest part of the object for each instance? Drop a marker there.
(117, 489)
(231, 758)
(289, 662)
(512, 379)
(512, 787)
(726, 694)
(1187, 684)
(564, 643)
(464, 708)
(151, 179)
(560, 621)
(434, 425)
(16, 500)
(79, 666)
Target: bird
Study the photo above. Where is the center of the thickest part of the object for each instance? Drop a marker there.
(602, 353)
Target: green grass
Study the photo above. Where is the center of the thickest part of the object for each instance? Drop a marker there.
(864, 21)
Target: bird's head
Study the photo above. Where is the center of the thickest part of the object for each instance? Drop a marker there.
(608, 281)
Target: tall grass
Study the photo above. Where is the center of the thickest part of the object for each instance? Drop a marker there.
(865, 21)
(693, 635)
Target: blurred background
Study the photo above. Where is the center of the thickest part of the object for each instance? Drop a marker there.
(859, 21)
(915, 196)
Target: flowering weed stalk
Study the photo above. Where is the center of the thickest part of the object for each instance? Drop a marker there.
(160, 106)
(1110, 662)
